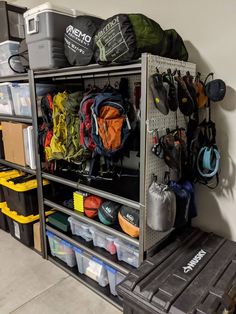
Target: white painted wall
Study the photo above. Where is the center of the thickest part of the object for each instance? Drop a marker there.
(208, 28)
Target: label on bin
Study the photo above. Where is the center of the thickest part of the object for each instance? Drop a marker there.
(16, 229)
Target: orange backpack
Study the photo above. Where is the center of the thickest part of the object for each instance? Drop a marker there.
(110, 124)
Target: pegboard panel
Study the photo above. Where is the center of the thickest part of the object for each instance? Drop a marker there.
(156, 120)
(114, 80)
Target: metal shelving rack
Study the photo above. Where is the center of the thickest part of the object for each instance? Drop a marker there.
(149, 164)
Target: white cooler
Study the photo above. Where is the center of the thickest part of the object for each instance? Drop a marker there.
(45, 27)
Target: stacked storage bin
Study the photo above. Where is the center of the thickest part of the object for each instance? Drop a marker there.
(12, 32)
(5, 173)
(61, 249)
(7, 49)
(21, 207)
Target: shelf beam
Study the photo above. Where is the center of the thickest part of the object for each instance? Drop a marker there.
(90, 71)
(14, 78)
(16, 119)
(18, 167)
(91, 190)
(92, 252)
(92, 222)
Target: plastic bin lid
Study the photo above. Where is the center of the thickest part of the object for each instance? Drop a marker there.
(110, 269)
(2, 205)
(49, 7)
(9, 173)
(10, 42)
(77, 249)
(95, 259)
(20, 218)
(21, 187)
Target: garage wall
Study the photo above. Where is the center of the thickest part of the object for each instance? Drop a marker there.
(208, 30)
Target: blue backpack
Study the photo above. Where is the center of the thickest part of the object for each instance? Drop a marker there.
(110, 124)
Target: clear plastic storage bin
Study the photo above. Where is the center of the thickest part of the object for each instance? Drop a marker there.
(6, 105)
(127, 253)
(21, 97)
(5, 69)
(7, 49)
(61, 249)
(114, 277)
(91, 267)
(80, 229)
(103, 240)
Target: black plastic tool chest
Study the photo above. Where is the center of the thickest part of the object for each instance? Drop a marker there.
(194, 273)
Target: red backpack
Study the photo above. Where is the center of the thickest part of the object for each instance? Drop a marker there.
(86, 122)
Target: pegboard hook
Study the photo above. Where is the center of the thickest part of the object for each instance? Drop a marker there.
(150, 131)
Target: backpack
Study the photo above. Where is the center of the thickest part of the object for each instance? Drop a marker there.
(65, 142)
(73, 150)
(46, 128)
(57, 145)
(110, 124)
(86, 139)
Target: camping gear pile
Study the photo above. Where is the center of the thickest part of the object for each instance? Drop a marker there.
(81, 39)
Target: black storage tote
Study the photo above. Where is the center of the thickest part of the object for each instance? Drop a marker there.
(195, 273)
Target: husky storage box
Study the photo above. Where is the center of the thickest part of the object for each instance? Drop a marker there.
(11, 22)
(195, 273)
(45, 27)
(21, 227)
(21, 197)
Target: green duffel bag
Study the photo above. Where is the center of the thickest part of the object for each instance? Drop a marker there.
(123, 37)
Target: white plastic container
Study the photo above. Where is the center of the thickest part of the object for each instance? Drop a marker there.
(127, 253)
(103, 240)
(6, 104)
(91, 267)
(7, 49)
(45, 27)
(5, 70)
(114, 277)
(80, 229)
(21, 97)
(29, 147)
(61, 249)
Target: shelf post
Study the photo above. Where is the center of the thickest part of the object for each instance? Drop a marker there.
(33, 98)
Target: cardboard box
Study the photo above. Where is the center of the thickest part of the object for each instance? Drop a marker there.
(13, 141)
(37, 236)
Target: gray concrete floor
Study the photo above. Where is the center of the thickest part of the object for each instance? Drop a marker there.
(31, 285)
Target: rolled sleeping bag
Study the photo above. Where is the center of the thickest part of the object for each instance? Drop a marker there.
(129, 221)
(123, 37)
(79, 39)
(108, 212)
(91, 205)
(161, 207)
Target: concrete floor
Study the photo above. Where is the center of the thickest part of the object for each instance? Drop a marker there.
(31, 285)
